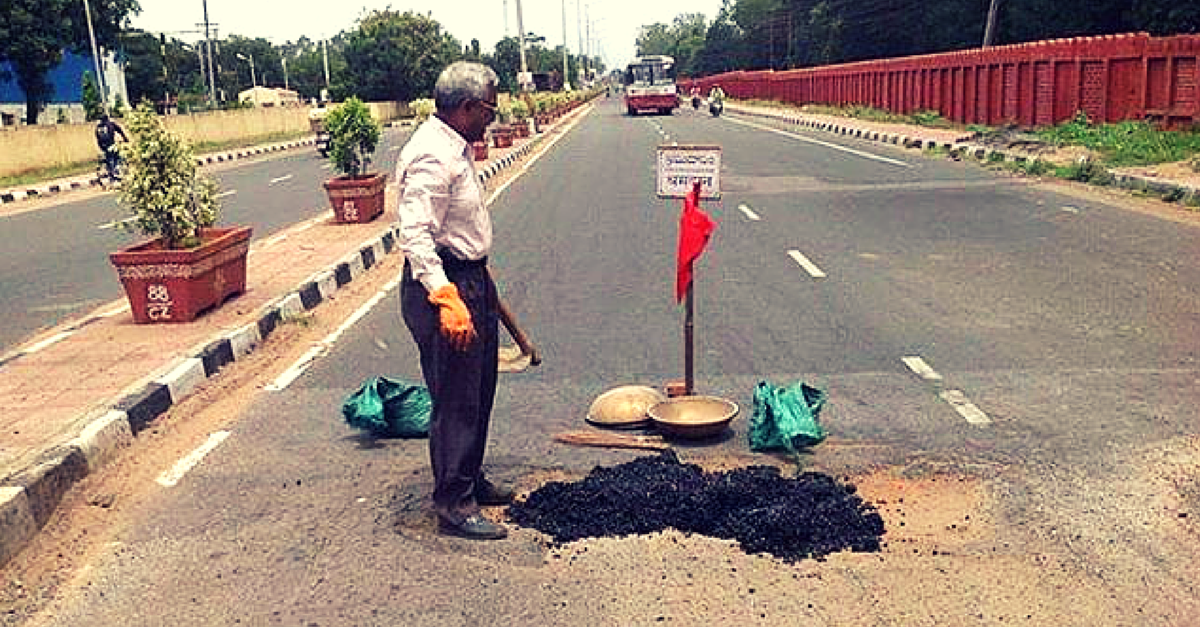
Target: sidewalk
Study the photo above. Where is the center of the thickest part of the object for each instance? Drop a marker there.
(80, 392)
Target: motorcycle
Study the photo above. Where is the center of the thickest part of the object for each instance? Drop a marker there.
(715, 107)
(696, 102)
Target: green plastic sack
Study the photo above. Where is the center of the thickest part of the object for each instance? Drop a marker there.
(389, 408)
(786, 418)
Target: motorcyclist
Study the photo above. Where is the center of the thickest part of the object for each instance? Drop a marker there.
(695, 97)
(716, 100)
(106, 138)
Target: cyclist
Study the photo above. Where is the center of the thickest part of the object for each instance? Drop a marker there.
(106, 138)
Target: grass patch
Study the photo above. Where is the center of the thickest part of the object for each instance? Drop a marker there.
(930, 119)
(1129, 143)
(1085, 171)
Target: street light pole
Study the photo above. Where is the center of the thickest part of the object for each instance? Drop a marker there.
(566, 63)
(521, 40)
(285, 74)
(95, 59)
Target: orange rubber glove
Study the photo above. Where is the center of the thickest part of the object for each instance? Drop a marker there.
(456, 320)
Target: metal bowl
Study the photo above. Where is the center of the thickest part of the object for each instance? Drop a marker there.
(693, 417)
(624, 406)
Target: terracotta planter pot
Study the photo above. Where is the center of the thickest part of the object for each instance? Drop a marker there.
(356, 199)
(502, 136)
(165, 285)
(521, 128)
(481, 150)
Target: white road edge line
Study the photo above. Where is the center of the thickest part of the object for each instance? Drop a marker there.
(965, 407)
(922, 369)
(48, 341)
(858, 153)
(114, 224)
(225, 193)
(749, 213)
(171, 477)
(280, 179)
(809, 267)
(301, 365)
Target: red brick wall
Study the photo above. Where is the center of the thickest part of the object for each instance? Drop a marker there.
(1111, 78)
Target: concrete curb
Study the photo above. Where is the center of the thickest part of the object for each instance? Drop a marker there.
(29, 497)
(50, 188)
(1169, 191)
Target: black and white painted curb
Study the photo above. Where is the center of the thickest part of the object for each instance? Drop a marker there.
(50, 188)
(961, 148)
(29, 497)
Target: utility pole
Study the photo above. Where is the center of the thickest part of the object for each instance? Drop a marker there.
(283, 60)
(95, 59)
(522, 80)
(212, 83)
(325, 61)
(506, 18)
(989, 33)
(582, 56)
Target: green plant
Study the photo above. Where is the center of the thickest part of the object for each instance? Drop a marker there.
(353, 136)
(519, 110)
(90, 96)
(163, 188)
(1085, 171)
(422, 108)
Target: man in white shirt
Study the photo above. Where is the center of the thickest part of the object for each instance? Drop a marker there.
(447, 297)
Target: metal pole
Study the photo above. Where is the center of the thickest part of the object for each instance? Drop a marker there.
(95, 59)
(285, 74)
(579, 48)
(989, 33)
(566, 62)
(212, 82)
(253, 78)
(521, 41)
(325, 59)
(689, 377)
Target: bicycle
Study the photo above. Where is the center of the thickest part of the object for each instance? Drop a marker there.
(109, 170)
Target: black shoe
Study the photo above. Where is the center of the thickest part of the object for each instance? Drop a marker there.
(488, 493)
(473, 527)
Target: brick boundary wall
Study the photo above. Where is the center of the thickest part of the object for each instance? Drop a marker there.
(1111, 78)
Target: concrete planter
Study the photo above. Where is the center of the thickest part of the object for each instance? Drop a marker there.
(356, 199)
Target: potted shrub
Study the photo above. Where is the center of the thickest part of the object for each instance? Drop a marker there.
(356, 195)
(502, 132)
(188, 266)
(520, 114)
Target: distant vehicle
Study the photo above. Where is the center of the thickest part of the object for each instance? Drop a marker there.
(547, 81)
(650, 85)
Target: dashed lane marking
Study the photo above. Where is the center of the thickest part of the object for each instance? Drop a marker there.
(750, 215)
(922, 369)
(965, 407)
(181, 467)
(809, 267)
(227, 193)
(280, 179)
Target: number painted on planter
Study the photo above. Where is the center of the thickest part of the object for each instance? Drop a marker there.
(349, 210)
(159, 307)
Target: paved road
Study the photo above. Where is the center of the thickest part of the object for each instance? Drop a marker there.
(1018, 364)
(55, 259)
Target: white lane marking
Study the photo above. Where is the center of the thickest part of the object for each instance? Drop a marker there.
(49, 341)
(922, 369)
(750, 215)
(227, 193)
(326, 166)
(857, 153)
(115, 223)
(1070, 209)
(116, 312)
(301, 365)
(809, 267)
(181, 467)
(280, 179)
(965, 407)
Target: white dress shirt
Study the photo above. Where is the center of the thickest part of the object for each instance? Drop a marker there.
(441, 202)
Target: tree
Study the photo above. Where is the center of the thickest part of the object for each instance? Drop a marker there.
(90, 95)
(397, 56)
(34, 33)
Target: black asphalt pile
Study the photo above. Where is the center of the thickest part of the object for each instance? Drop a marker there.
(810, 515)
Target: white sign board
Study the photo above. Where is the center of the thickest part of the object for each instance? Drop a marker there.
(679, 167)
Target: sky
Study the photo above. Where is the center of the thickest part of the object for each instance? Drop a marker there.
(614, 23)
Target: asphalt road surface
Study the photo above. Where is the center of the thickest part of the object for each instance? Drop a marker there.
(55, 251)
(1011, 371)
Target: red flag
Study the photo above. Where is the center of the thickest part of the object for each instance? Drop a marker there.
(695, 227)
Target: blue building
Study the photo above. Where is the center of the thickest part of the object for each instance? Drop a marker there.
(66, 83)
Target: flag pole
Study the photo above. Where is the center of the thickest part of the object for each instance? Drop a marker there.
(688, 328)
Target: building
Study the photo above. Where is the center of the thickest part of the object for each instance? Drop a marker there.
(65, 103)
(270, 97)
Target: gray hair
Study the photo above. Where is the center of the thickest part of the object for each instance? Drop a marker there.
(462, 82)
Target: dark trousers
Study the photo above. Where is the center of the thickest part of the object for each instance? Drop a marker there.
(462, 384)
